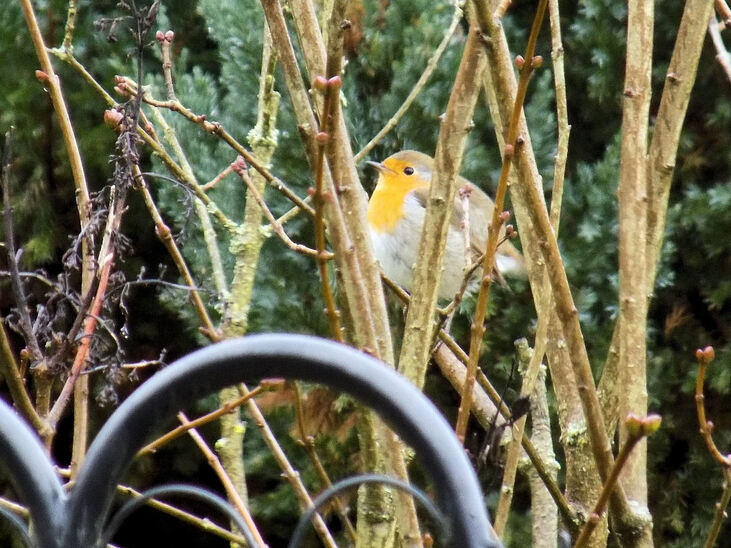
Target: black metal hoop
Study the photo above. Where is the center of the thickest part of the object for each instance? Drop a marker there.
(33, 476)
(190, 491)
(355, 481)
(79, 519)
(18, 524)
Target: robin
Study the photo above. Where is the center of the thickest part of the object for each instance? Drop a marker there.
(396, 212)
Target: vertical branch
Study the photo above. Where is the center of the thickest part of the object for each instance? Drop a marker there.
(359, 301)
(663, 149)
(679, 80)
(541, 243)
(245, 246)
(530, 376)
(526, 65)
(544, 520)
(350, 194)
(582, 477)
(632, 193)
(331, 89)
(562, 117)
(637, 429)
(357, 268)
(8, 365)
(525, 358)
(82, 193)
(420, 323)
(68, 33)
(24, 319)
(59, 105)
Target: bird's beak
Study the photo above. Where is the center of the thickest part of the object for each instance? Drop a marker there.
(378, 166)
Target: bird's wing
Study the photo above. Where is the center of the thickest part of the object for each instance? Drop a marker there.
(480, 217)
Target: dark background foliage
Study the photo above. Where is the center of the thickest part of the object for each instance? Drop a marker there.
(217, 47)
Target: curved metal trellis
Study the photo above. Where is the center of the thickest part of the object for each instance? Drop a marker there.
(18, 524)
(190, 491)
(356, 481)
(79, 519)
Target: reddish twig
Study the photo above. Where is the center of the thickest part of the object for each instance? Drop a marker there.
(724, 11)
(477, 329)
(637, 429)
(218, 178)
(227, 407)
(106, 261)
(705, 356)
(330, 87)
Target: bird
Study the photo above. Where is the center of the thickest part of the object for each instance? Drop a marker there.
(396, 212)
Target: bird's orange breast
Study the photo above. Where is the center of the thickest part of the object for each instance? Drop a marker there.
(386, 206)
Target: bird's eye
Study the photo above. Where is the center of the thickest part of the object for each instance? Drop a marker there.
(409, 170)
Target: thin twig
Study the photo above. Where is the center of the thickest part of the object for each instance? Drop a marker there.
(705, 356)
(14, 507)
(11, 373)
(217, 129)
(526, 358)
(330, 87)
(228, 485)
(204, 207)
(166, 41)
(227, 407)
(724, 11)
(637, 429)
(526, 65)
(290, 473)
(722, 54)
(165, 235)
(21, 302)
(564, 129)
(431, 66)
(205, 524)
(240, 168)
(68, 33)
(105, 261)
(307, 441)
(218, 178)
(720, 513)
